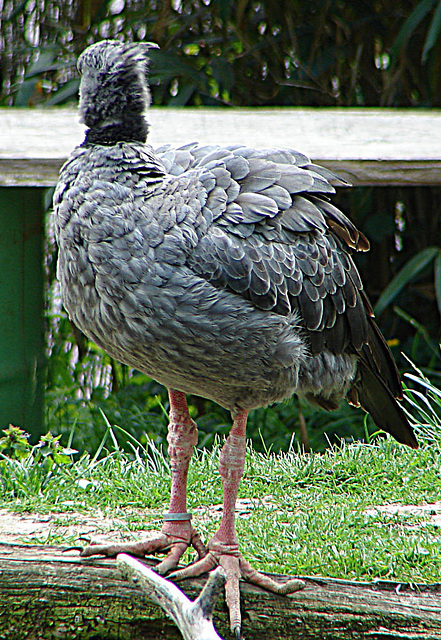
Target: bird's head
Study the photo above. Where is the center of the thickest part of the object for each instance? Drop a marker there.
(114, 92)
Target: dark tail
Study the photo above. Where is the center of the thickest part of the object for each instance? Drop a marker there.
(375, 398)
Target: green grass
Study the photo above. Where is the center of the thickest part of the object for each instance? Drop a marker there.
(310, 514)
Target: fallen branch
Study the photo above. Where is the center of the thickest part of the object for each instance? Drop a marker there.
(193, 619)
(45, 594)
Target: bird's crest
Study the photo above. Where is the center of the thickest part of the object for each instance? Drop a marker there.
(109, 56)
(114, 92)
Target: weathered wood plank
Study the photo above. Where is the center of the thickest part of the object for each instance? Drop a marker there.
(34, 142)
(50, 595)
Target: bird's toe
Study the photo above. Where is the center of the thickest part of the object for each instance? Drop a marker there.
(195, 569)
(172, 558)
(159, 542)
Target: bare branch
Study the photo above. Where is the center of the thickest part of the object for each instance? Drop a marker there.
(194, 619)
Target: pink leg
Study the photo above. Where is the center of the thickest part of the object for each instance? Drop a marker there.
(182, 438)
(223, 547)
(231, 467)
(224, 543)
(177, 533)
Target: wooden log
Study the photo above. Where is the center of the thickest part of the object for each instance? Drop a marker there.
(46, 594)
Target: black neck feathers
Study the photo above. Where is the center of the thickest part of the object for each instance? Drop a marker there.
(135, 130)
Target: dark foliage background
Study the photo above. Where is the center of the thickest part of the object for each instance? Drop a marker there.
(236, 52)
(347, 53)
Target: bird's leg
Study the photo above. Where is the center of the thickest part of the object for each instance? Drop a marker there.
(177, 533)
(182, 438)
(223, 546)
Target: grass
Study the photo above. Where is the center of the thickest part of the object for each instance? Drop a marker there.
(311, 514)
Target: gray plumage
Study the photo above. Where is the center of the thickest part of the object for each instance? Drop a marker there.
(222, 272)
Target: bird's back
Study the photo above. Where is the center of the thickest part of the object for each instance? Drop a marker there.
(225, 272)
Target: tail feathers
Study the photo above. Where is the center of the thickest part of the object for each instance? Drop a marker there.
(371, 393)
(378, 357)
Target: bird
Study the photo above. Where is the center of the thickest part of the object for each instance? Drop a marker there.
(220, 271)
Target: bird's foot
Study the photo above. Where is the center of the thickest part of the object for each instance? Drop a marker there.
(235, 567)
(173, 540)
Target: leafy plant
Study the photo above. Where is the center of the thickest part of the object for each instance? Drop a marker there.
(225, 52)
(411, 24)
(15, 443)
(409, 272)
(27, 470)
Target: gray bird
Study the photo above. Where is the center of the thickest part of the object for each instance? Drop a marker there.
(223, 272)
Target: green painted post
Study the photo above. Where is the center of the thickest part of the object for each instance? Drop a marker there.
(21, 308)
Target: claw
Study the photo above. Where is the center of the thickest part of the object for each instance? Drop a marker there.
(67, 549)
(77, 548)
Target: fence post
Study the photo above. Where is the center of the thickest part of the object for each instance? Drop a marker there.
(22, 354)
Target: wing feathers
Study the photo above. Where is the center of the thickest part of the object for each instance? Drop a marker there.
(273, 237)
